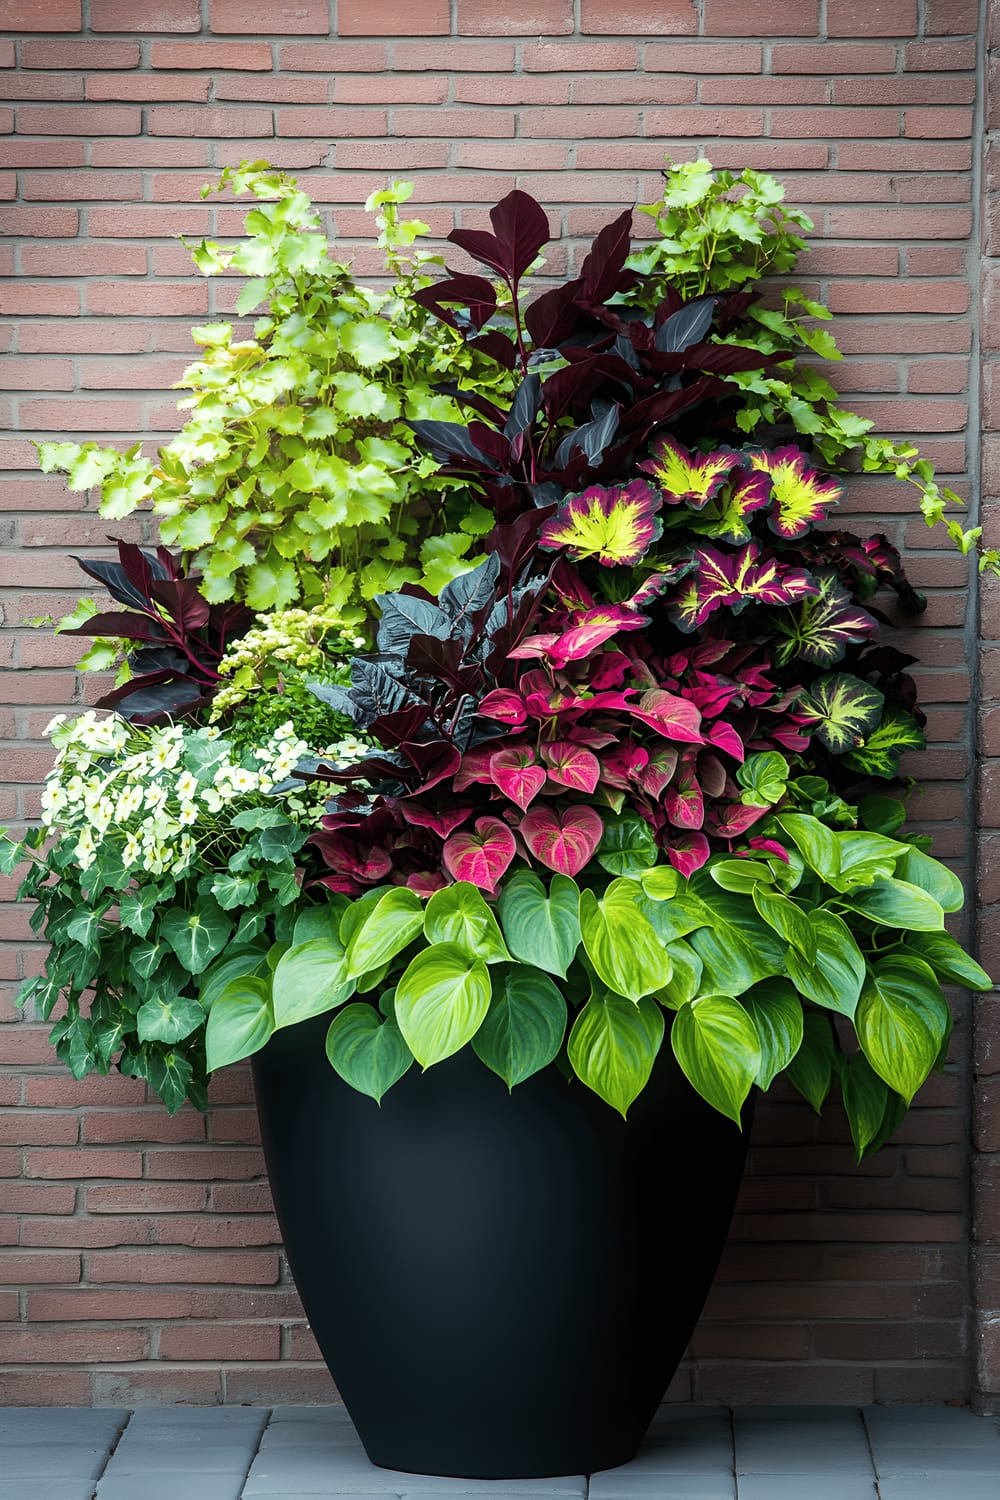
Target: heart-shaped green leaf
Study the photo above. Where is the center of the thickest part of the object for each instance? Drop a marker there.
(613, 1045)
(394, 921)
(836, 973)
(310, 979)
(897, 904)
(776, 1012)
(902, 1020)
(441, 1001)
(542, 929)
(240, 1021)
(620, 941)
(168, 1020)
(459, 914)
(524, 1027)
(715, 1042)
(366, 1051)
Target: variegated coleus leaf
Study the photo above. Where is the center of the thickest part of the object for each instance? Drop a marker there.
(693, 478)
(879, 755)
(801, 493)
(736, 579)
(725, 516)
(614, 526)
(841, 711)
(820, 629)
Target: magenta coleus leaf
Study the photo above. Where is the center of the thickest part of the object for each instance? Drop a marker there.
(674, 717)
(688, 852)
(729, 821)
(504, 705)
(745, 491)
(624, 764)
(426, 882)
(801, 493)
(564, 841)
(736, 579)
(480, 856)
(514, 771)
(724, 737)
(613, 526)
(694, 478)
(659, 770)
(684, 802)
(571, 765)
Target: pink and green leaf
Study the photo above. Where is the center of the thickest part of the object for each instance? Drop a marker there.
(563, 842)
(613, 526)
(480, 856)
(514, 771)
(674, 717)
(736, 579)
(687, 852)
(571, 765)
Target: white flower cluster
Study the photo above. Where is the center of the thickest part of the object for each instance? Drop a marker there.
(155, 795)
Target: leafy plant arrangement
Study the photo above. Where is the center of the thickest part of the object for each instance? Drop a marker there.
(634, 774)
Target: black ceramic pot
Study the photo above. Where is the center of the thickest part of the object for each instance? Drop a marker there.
(502, 1284)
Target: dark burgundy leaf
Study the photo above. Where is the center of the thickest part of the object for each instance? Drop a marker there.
(525, 407)
(686, 327)
(182, 601)
(496, 346)
(552, 317)
(472, 292)
(603, 271)
(122, 624)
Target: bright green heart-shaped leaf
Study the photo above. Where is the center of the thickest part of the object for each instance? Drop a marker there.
(763, 777)
(369, 1053)
(524, 1026)
(215, 979)
(933, 877)
(620, 941)
(902, 1020)
(949, 959)
(196, 937)
(866, 1098)
(168, 1020)
(240, 1021)
(898, 904)
(441, 1001)
(660, 883)
(310, 979)
(321, 921)
(627, 846)
(776, 1012)
(811, 1069)
(787, 919)
(459, 914)
(613, 1045)
(735, 946)
(541, 929)
(686, 969)
(741, 875)
(715, 1042)
(390, 926)
(817, 844)
(836, 973)
(865, 857)
(358, 912)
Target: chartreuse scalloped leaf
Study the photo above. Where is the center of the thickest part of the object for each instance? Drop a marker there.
(441, 1001)
(801, 494)
(458, 914)
(542, 928)
(613, 526)
(775, 1009)
(240, 1022)
(620, 941)
(309, 979)
(369, 1053)
(715, 1041)
(879, 755)
(524, 1026)
(613, 1045)
(693, 477)
(902, 1020)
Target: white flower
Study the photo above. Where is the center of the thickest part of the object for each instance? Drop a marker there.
(186, 786)
(349, 749)
(165, 754)
(86, 849)
(74, 789)
(212, 732)
(211, 800)
(244, 781)
(129, 802)
(132, 850)
(53, 725)
(188, 814)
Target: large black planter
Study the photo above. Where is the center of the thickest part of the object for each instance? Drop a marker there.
(501, 1284)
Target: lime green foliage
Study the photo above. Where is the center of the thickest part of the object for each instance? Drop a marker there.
(270, 667)
(295, 461)
(720, 232)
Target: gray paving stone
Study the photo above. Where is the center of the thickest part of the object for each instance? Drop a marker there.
(690, 1456)
(939, 1486)
(339, 1472)
(61, 1424)
(158, 1458)
(614, 1484)
(943, 1427)
(45, 1460)
(47, 1489)
(811, 1486)
(308, 1414)
(836, 1414)
(197, 1418)
(897, 1461)
(768, 1447)
(164, 1487)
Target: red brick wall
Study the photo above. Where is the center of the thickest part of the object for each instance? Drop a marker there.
(139, 1259)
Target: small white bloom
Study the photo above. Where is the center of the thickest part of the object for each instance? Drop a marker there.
(129, 802)
(244, 781)
(132, 850)
(188, 814)
(211, 800)
(53, 725)
(86, 849)
(186, 786)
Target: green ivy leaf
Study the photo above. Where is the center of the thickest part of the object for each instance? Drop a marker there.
(168, 1020)
(196, 937)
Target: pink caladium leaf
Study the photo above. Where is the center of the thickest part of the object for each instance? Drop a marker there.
(694, 478)
(624, 765)
(565, 841)
(659, 772)
(614, 526)
(442, 821)
(514, 771)
(426, 882)
(733, 819)
(475, 768)
(737, 579)
(688, 852)
(480, 856)
(764, 846)
(724, 737)
(801, 493)
(674, 717)
(504, 705)
(571, 766)
(684, 801)
(534, 646)
(588, 634)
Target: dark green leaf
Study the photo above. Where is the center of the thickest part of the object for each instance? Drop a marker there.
(168, 1020)
(240, 1021)
(627, 846)
(368, 1053)
(811, 1069)
(865, 1100)
(949, 959)
(524, 1026)
(541, 929)
(716, 1043)
(897, 904)
(776, 1012)
(196, 937)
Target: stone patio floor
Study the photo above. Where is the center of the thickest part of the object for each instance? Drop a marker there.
(692, 1453)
